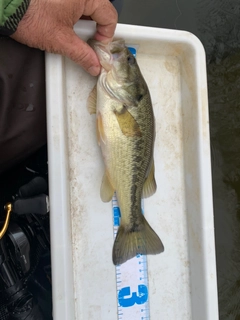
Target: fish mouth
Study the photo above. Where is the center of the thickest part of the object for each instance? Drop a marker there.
(107, 53)
(103, 52)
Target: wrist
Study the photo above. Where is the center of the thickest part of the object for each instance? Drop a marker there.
(12, 13)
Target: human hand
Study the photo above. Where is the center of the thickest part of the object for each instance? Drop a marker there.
(48, 25)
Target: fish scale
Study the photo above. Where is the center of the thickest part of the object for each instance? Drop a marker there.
(131, 276)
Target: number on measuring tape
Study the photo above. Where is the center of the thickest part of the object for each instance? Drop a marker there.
(139, 298)
(116, 216)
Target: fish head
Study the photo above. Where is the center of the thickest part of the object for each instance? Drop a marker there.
(124, 66)
(122, 77)
(103, 52)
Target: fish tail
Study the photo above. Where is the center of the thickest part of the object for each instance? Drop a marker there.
(142, 240)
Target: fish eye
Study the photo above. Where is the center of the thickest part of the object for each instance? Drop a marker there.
(131, 59)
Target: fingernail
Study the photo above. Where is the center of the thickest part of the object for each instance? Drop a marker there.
(94, 71)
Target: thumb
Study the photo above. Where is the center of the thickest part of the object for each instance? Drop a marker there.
(79, 51)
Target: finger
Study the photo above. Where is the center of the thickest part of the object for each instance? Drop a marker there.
(79, 51)
(106, 17)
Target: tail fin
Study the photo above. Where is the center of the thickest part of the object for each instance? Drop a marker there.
(129, 243)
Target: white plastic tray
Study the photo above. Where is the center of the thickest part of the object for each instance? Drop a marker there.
(182, 280)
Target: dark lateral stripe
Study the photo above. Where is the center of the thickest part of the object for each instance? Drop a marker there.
(13, 21)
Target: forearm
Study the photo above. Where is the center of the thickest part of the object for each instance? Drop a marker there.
(11, 13)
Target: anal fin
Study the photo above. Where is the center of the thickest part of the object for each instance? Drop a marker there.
(149, 186)
(107, 190)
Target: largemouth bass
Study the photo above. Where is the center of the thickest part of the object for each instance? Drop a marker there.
(125, 131)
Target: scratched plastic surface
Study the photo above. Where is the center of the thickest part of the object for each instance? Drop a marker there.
(182, 280)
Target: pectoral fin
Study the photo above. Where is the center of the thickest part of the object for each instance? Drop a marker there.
(92, 100)
(100, 130)
(107, 190)
(150, 186)
(127, 123)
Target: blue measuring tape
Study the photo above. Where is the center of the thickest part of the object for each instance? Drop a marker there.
(131, 276)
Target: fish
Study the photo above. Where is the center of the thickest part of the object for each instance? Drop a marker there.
(126, 133)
